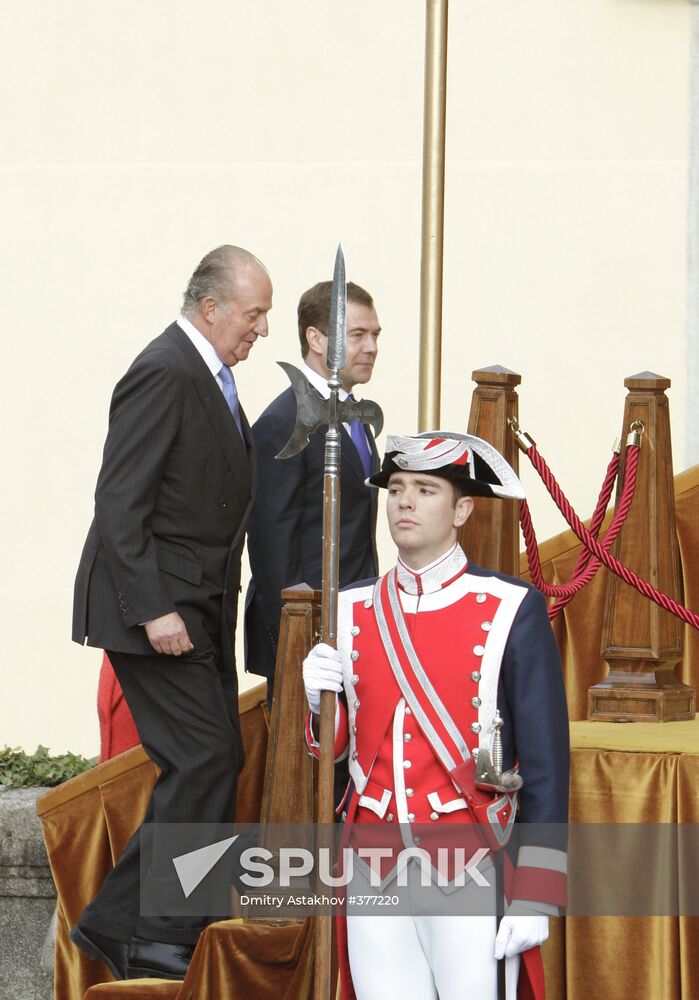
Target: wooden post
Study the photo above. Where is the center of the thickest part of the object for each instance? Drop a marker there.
(288, 788)
(288, 795)
(641, 642)
(490, 537)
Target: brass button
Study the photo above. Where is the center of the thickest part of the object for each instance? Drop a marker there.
(475, 727)
(476, 702)
(476, 676)
(354, 655)
(355, 630)
(407, 738)
(355, 678)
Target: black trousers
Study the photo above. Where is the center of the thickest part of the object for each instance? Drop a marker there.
(186, 713)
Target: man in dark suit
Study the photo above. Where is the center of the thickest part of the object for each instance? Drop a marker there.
(285, 531)
(158, 584)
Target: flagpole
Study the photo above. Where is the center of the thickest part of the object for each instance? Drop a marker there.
(433, 146)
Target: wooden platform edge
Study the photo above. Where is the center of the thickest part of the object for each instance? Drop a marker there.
(128, 761)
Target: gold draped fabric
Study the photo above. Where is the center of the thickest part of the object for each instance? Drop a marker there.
(136, 989)
(644, 958)
(620, 774)
(88, 821)
(636, 773)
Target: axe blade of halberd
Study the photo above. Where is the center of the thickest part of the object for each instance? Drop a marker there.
(314, 411)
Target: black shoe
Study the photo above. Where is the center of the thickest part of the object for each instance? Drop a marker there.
(113, 953)
(158, 959)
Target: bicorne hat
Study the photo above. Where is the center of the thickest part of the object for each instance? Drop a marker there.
(475, 465)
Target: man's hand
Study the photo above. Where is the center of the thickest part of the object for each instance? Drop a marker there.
(322, 671)
(168, 635)
(520, 933)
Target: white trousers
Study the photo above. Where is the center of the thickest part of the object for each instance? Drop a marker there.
(425, 958)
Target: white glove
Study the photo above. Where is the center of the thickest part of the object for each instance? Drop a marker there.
(322, 671)
(519, 933)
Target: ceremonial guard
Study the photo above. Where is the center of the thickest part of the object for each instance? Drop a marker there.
(452, 711)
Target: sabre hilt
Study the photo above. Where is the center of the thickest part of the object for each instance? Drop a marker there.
(498, 723)
(489, 773)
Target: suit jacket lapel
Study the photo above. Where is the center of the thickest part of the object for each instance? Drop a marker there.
(375, 465)
(213, 401)
(375, 461)
(252, 457)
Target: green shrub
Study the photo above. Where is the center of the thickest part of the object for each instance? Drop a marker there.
(20, 770)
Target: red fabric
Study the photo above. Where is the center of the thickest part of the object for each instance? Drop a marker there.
(531, 985)
(341, 733)
(117, 729)
(455, 627)
(541, 884)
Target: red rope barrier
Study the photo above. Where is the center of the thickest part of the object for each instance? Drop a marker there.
(598, 550)
(532, 547)
(591, 564)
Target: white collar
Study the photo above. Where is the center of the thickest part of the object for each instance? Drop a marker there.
(204, 347)
(432, 577)
(320, 383)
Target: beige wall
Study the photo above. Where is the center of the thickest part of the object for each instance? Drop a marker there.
(135, 136)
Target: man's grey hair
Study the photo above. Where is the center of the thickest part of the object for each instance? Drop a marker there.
(215, 276)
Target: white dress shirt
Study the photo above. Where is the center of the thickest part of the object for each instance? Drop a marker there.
(204, 347)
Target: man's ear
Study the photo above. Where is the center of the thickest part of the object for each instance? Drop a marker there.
(317, 342)
(464, 509)
(207, 307)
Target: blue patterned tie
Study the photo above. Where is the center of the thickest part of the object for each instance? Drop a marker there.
(231, 395)
(358, 435)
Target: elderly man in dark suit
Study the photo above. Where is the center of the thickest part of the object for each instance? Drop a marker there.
(285, 531)
(159, 578)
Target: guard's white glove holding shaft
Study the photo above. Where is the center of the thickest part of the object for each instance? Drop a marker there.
(520, 933)
(322, 671)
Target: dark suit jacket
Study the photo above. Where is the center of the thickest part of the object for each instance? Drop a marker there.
(171, 505)
(286, 525)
